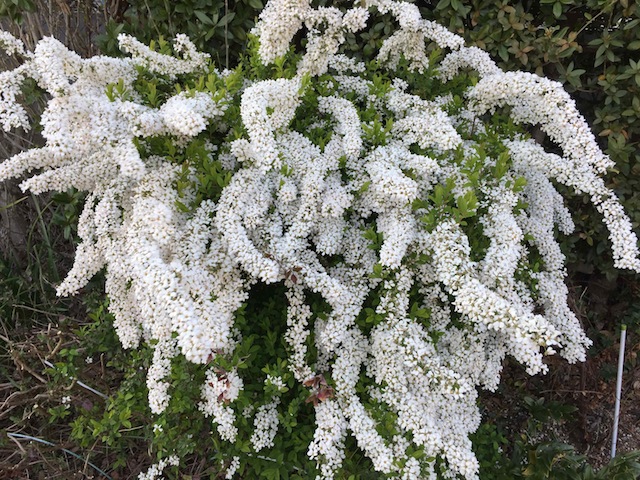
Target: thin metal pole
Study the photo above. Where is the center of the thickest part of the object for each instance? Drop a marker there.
(616, 415)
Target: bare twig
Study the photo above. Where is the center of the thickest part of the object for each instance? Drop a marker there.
(23, 366)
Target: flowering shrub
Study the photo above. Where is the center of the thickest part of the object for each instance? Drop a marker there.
(406, 217)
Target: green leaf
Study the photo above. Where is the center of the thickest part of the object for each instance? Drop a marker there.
(203, 17)
(226, 19)
(519, 184)
(503, 52)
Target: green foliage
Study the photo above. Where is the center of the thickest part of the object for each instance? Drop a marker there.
(216, 26)
(542, 411)
(552, 460)
(15, 9)
(68, 208)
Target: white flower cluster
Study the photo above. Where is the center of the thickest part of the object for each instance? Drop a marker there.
(583, 179)
(267, 107)
(218, 391)
(328, 441)
(11, 45)
(233, 468)
(12, 114)
(538, 100)
(155, 471)
(279, 22)
(467, 57)
(372, 211)
(409, 40)
(188, 115)
(265, 424)
(129, 222)
(423, 123)
(156, 62)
